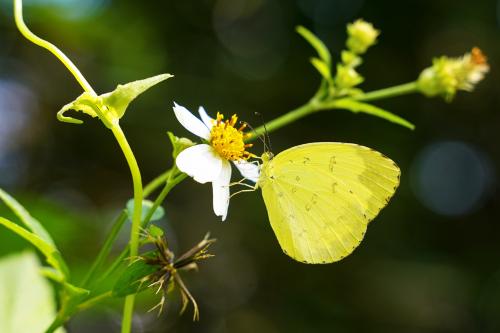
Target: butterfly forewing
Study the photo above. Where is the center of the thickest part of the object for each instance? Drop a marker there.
(321, 196)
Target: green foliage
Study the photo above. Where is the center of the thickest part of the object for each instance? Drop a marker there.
(25, 217)
(26, 298)
(133, 279)
(147, 205)
(317, 44)
(154, 231)
(179, 144)
(50, 252)
(372, 110)
(109, 107)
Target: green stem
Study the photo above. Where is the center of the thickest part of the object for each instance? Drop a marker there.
(398, 90)
(117, 225)
(163, 194)
(317, 105)
(18, 17)
(106, 248)
(94, 300)
(121, 257)
(155, 183)
(114, 265)
(129, 302)
(136, 218)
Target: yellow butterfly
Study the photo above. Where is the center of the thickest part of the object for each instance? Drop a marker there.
(321, 196)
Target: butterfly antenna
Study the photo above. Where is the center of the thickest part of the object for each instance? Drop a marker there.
(255, 133)
(267, 145)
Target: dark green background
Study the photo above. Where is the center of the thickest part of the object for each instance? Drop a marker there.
(418, 270)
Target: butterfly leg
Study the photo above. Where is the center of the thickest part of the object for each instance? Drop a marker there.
(242, 183)
(253, 188)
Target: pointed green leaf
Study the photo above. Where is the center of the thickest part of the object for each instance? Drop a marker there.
(146, 207)
(322, 68)
(26, 299)
(109, 107)
(316, 43)
(52, 255)
(29, 221)
(119, 99)
(356, 106)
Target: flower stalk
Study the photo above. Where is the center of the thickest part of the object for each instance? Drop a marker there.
(315, 105)
(26, 32)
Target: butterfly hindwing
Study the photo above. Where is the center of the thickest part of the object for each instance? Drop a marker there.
(321, 196)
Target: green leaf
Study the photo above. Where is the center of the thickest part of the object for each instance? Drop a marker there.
(132, 280)
(356, 107)
(50, 252)
(71, 298)
(322, 68)
(120, 98)
(146, 207)
(109, 107)
(316, 43)
(26, 298)
(86, 103)
(155, 231)
(29, 221)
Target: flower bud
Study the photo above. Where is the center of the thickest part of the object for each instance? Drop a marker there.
(179, 144)
(347, 77)
(448, 75)
(361, 35)
(350, 59)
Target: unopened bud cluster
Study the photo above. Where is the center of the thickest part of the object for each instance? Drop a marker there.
(448, 75)
(360, 36)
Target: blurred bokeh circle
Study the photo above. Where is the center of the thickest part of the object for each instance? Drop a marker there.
(451, 178)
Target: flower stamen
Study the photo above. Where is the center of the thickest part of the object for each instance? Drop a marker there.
(229, 141)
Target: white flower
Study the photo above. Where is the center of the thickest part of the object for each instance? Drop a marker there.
(209, 162)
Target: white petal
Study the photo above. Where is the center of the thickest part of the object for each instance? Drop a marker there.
(209, 122)
(190, 122)
(220, 189)
(250, 171)
(200, 162)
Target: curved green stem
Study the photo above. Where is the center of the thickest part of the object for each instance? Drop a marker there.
(136, 218)
(18, 16)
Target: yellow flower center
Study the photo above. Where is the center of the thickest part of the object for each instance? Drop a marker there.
(228, 140)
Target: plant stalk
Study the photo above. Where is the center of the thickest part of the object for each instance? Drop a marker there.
(402, 89)
(128, 308)
(26, 32)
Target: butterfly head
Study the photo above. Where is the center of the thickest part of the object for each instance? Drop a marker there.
(267, 156)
